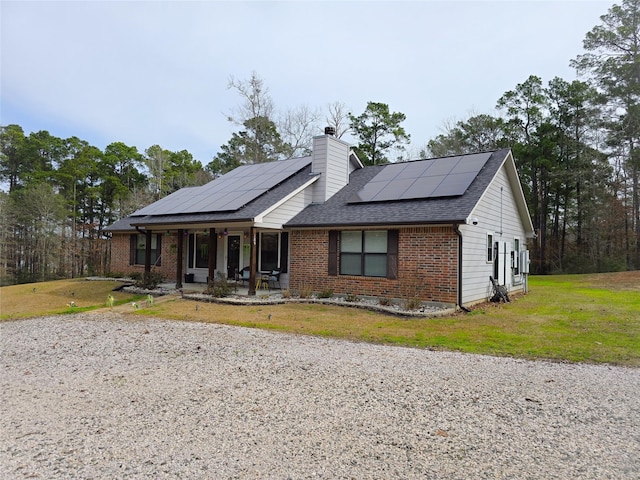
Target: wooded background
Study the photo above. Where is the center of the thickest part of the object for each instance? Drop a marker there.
(575, 145)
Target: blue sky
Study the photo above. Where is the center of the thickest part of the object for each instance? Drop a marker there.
(148, 73)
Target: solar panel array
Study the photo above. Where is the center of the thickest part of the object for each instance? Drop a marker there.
(228, 192)
(441, 177)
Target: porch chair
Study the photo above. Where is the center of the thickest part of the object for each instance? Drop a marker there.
(274, 278)
(243, 275)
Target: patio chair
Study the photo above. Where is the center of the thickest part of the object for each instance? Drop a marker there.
(274, 278)
(243, 275)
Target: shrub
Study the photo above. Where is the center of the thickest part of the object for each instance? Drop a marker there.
(326, 294)
(149, 281)
(384, 301)
(305, 291)
(351, 298)
(219, 287)
(285, 294)
(412, 303)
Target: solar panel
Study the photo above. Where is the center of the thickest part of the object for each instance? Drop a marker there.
(228, 192)
(440, 177)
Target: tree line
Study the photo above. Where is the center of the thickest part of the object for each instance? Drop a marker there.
(575, 145)
(63, 192)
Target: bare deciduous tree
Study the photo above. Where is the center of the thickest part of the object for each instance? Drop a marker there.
(256, 101)
(297, 127)
(338, 118)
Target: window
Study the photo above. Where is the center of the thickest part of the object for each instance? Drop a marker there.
(273, 251)
(363, 253)
(198, 250)
(489, 247)
(268, 251)
(368, 252)
(516, 256)
(138, 248)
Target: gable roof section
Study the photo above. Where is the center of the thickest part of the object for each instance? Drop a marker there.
(247, 212)
(340, 210)
(518, 194)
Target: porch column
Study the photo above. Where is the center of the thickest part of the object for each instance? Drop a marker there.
(147, 253)
(253, 263)
(179, 260)
(211, 247)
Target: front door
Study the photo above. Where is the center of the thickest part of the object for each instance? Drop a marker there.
(233, 255)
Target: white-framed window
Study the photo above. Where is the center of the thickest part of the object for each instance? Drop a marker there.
(198, 250)
(516, 256)
(269, 259)
(489, 248)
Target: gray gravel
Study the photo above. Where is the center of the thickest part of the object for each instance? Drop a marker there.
(102, 395)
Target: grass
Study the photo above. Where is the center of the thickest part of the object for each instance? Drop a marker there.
(49, 298)
(574, 318)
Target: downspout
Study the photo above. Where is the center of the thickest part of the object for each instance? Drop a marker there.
(456, 227)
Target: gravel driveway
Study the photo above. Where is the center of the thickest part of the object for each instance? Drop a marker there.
(102, 395)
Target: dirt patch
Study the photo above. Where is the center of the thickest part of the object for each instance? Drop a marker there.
(612, 281)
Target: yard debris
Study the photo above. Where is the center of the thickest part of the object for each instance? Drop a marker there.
(500, 292)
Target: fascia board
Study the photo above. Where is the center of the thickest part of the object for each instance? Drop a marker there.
(516, 187)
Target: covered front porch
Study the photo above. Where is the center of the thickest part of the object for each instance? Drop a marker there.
(237, 289)
(250, 257)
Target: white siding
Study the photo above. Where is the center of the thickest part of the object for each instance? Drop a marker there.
(331, 161)
(285, 212)
(496, 213)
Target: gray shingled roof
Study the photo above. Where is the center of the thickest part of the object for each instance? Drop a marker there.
(246, 213)
(337, 211)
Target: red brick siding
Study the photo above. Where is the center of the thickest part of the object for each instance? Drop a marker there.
(427, 266)
(120, 244)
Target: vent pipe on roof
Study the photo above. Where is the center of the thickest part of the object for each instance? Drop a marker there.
(330, 131)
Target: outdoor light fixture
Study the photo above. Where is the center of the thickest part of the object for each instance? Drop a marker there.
(225, 233)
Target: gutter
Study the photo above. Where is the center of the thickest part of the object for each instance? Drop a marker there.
(334, 226)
